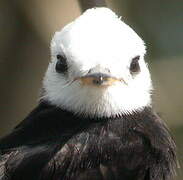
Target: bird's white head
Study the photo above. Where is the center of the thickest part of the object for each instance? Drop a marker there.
(97, 67)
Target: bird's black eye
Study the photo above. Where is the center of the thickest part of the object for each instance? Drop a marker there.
(61, 65)
(134, 66)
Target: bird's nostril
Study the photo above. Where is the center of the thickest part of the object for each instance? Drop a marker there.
(98, 80)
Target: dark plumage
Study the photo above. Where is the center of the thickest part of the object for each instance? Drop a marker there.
(52, 144)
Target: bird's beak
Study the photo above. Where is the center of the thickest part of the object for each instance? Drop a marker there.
(99, 79)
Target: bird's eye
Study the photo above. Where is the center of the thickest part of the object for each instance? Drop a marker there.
(61, 65)
(134, 66)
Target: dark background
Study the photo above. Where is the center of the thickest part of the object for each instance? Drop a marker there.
(26, 28)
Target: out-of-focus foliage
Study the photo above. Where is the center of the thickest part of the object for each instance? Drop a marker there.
(26, 28)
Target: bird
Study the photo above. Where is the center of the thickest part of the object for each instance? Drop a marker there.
(94, 119)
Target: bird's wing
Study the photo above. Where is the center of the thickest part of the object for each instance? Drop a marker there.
(36, 139)
(45, 123)
(30, 130)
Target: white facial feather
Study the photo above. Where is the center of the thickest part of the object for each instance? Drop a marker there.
(98, 38)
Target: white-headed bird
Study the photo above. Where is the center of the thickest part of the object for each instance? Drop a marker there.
(94, 120)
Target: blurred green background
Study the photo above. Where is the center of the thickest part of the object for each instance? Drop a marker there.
(26, 28)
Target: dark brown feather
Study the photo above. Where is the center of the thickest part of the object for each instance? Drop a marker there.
(131, 147)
